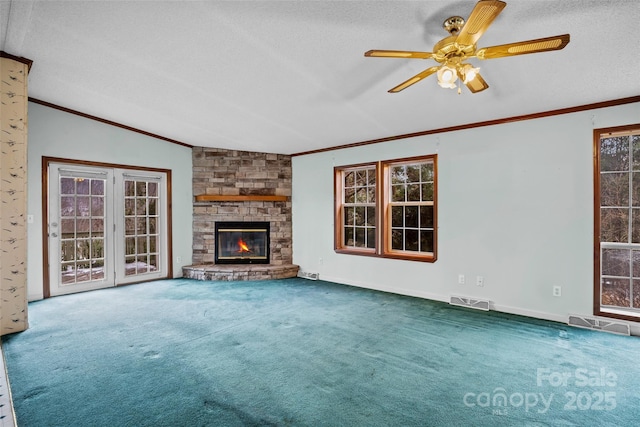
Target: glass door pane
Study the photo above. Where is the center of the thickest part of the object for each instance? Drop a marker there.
(141, 231)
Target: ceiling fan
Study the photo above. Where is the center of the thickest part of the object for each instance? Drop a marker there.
(453, 51)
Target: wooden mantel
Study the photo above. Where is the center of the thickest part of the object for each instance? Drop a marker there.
(240, 198)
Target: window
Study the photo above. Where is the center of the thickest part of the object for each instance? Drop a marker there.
(387, 209)
(617, 222)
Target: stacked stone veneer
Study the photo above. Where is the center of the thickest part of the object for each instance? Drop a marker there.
(230, 172)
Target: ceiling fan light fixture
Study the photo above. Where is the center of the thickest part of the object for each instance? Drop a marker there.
(447, 77)
(468, 73)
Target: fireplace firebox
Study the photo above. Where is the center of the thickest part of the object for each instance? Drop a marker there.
(242, 242)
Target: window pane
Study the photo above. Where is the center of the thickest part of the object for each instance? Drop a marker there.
(97, 206)
(371, 177)
(427, 192)
(349, 195)
(141, 188)
(129, 207)
(615, 292)
(360, 237)
(97, 187)
(398, 175)
(397, 216)
(67, 206)
(82, 227)
(361, 195)
(348, 236)
(426, 241)
(635, 190)
(371, 195)
(152, 244)
(371, 238)
(153, 205)
(361, 178)
(635, 143)
(67, 186)
(129, 189)
(615, 262)
(152, 187)
(396, 240)
(413, 173)
(97, 226)
(635, 225)
(142, 245)
(130, 245)
(614, 154)
(636, 263)
(153, 225)
(411, 240)
(130, 267)
(68, 228)
(413, 192)
(68, 250)
(129, 226)
(614, 225)
(427, 172)
(97, 248)
(360, 215)
(426, 216)
(349, 179)
(82, 185)
(82, 206)
(371, 216)
(82, 249)
(153, 263)
(636, 293)
(397, 193)
(614, 189)
(141, 206)
(411, 217)
(141, 226)
(349, 215)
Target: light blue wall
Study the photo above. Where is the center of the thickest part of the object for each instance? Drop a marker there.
(54, 133)
(515, 206)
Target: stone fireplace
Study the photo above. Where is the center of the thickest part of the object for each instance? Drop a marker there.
(233, 186)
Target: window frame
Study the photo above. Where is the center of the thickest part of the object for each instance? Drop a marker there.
(383, 222)
(599, 309)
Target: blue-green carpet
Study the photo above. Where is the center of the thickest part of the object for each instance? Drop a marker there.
(302, 353)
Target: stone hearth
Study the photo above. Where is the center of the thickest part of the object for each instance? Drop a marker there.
(242, 272)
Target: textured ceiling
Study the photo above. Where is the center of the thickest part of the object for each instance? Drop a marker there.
(291, 76)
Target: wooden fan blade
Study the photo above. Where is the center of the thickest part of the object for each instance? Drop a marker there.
(481, 17)
(477, 84)
(399, 54)
(415, 79)
(523, 48)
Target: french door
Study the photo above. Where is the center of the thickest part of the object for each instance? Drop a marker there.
(106, 227)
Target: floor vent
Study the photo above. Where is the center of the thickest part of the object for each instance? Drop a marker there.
(308, 275)
(478, 304)
(599, 324)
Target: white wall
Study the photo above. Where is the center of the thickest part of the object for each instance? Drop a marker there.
(515, 205)
(54, 133)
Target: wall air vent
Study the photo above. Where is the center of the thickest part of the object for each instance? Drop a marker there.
(308, 275)
(599, 324)
(477, 304)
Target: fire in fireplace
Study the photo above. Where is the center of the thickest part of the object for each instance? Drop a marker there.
(242, 242)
